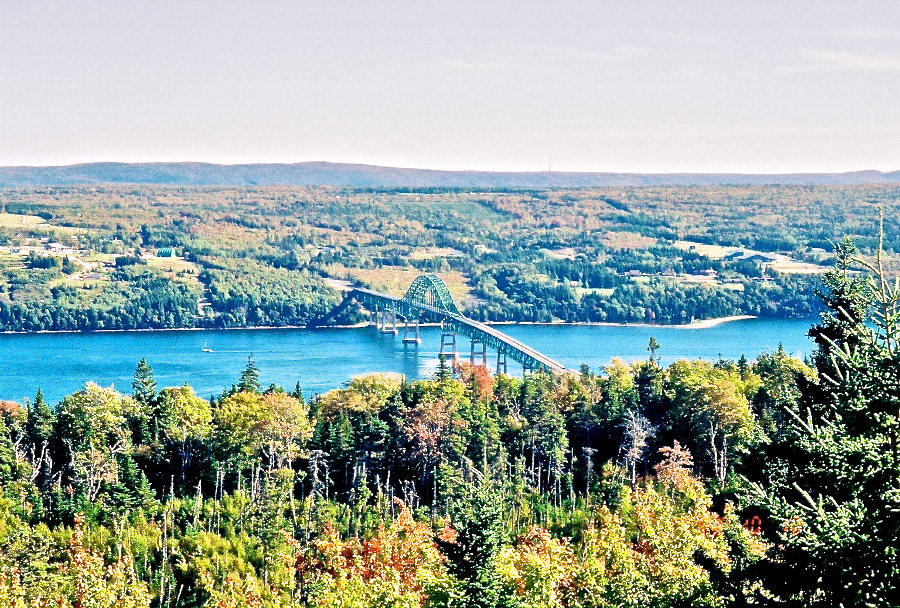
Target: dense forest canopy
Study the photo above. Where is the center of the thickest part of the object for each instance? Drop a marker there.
(84, 258)
(773, 482)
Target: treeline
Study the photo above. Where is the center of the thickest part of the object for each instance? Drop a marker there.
(703, 484)
(506, 293)
(138, 299)
(240, 294)
(246, 293)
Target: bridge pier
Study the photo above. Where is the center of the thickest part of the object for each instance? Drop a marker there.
(451, 343)
(483, 353)
(384, 328)
(501, 364)
(411, 340)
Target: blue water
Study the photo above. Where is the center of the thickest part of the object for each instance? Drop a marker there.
(325, 359)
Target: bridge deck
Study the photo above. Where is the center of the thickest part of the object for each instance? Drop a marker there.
(473, 329)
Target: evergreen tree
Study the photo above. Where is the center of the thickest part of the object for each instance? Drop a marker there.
(832, 486)
(39, 427)
(144, 384)
(444, 371)
(477, 519)
(144, 422)
(249, 381)
(652, 347)
(297, 393)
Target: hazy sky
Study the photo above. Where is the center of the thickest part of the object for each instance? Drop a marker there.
(593, 86)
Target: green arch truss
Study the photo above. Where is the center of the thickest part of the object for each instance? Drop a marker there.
(430, 290)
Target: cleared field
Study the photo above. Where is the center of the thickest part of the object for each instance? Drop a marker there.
(176, 269)
(564, 253)
(628, 240)
(797, 268)
(11, 220)
(715, 252)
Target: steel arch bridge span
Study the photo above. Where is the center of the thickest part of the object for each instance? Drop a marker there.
(430, 290)
(428, 297)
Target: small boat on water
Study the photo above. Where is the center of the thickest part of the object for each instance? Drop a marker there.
(206, 349)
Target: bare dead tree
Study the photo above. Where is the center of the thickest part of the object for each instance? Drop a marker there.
(638, 431)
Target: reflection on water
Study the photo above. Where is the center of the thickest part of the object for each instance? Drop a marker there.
(324, 359)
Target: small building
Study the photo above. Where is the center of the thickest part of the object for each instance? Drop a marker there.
(165, 252)
(59, 248)
(668, 272)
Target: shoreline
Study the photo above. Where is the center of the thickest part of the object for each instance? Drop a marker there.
(703, 324)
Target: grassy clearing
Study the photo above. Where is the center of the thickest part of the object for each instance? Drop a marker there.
(715, 252)
(176, 269)
(628, 240)
(797, 268)
(733, 286)
(12, 220)
(563, 253)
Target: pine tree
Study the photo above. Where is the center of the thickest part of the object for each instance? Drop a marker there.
(444, 371)
(652, 347)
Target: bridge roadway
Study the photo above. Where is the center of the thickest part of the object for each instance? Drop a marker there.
(478, 332)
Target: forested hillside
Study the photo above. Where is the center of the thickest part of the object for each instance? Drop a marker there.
(766, 482)
(120, 257)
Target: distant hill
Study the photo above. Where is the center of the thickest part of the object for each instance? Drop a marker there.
(342, 174)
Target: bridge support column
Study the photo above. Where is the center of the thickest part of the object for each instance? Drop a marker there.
(384, 323)
(406, 337)
(483, 353)
(451, 342)
(501, 364)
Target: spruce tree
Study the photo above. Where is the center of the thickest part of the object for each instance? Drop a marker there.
(249, 382)
(39, 426)
(478, 521)
(297, 393)
(141, 421)
(144, 384)
(831, 486)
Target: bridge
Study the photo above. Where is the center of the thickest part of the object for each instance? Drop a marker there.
(429, 299)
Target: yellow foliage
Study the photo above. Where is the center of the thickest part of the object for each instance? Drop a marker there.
(90, 583)
(645, 557)
(366, 393)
